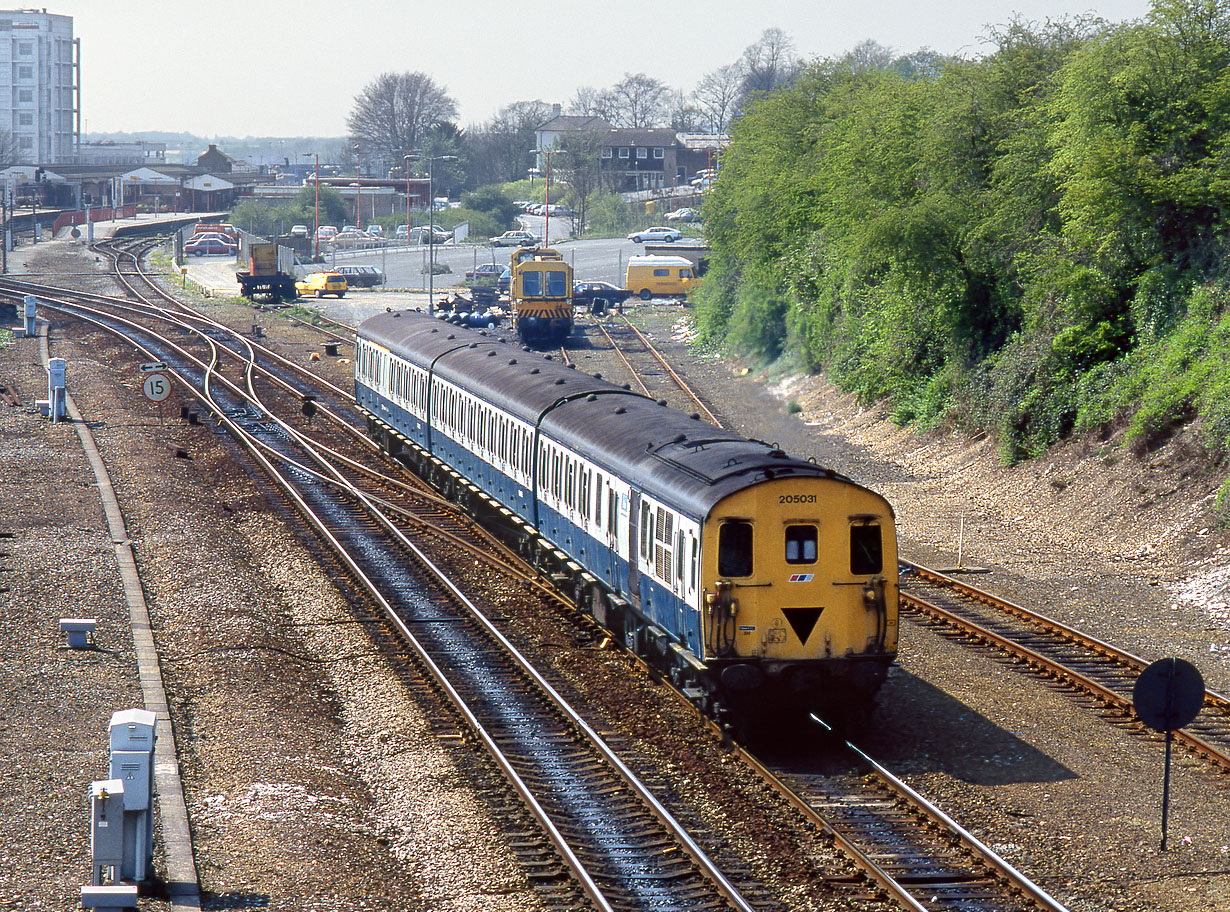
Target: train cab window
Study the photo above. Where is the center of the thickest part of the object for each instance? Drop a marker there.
(866, 550)
(557, 284)
(800, 544)
(735, 549)
(531, 284)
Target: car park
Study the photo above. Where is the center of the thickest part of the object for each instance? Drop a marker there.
(361, 276)
(515, 239)
(210, 246)
(657, 233)
(319, 284)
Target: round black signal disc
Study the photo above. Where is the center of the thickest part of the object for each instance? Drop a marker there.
(1168, 694)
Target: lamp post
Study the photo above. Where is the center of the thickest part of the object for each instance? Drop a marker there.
(431, 229)
(407, 161)
(546, 206)
(358, 190)
(316, 248)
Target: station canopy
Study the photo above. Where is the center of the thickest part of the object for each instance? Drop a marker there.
(148, 177)
(207, 183)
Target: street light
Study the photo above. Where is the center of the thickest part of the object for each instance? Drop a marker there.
(316, 255)
(358, 190)
(546, 206)
(431, 230)
(407, 160)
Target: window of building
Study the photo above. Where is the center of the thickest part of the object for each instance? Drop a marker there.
(25, 72)
(735, 548)
(659, 152)
(608, 152)
(25, 48)
(25, 96)
(624, 153)
(866, 550)
(800, 544)
(642, 153)
(25, 120)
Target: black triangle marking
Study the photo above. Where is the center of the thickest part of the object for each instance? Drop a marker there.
(802, 621)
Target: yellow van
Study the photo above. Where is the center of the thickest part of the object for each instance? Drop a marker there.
(659, 275)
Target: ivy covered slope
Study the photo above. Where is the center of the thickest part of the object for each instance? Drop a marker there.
(1032, 243)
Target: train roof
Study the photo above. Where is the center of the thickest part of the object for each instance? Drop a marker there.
(669, 455)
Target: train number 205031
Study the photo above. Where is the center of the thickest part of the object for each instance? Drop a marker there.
(796, 498)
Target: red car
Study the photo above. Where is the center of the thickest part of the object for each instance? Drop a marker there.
(210, 246)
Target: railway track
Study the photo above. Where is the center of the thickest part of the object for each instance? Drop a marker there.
(621, 845)
(652, 369)
(926, 872)
(1048, 647)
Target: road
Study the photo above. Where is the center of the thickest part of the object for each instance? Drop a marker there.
(599, 259)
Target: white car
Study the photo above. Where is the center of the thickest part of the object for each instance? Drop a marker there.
(658, 233)
(298, 230)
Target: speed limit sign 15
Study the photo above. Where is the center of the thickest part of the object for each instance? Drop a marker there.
(157, 387)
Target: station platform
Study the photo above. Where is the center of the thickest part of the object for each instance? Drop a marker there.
(143, 223)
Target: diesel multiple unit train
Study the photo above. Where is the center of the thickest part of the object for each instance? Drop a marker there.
(754, 580)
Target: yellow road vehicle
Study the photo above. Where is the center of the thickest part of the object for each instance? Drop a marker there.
(319, 284)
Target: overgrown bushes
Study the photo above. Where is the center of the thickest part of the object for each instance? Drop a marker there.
(1025, 244)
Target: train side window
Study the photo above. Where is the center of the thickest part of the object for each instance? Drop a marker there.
(866, 550)
(695, 561)
(610, 512)
(800, 544)
(735, 548)
(646, 532)
(570, 484)
(679, 556)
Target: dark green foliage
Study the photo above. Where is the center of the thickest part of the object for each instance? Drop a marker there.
(495, 203)
(1023, 244)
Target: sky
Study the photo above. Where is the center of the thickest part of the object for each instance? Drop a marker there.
(293, 67)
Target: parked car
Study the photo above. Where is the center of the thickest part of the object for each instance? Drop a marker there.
(210, 246)
(494, 275)
(597, 296)
(319, 284)
(422, 234)
(658, 233)
(361, 276)
(686, 214)
(376, 231)
(298, 230)
(351, 237)
(515, 239)
(326, 233)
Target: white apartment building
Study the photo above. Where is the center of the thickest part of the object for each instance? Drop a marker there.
(40, 88)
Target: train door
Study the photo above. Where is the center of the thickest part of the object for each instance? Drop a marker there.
(610, 531)
(634, 548)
